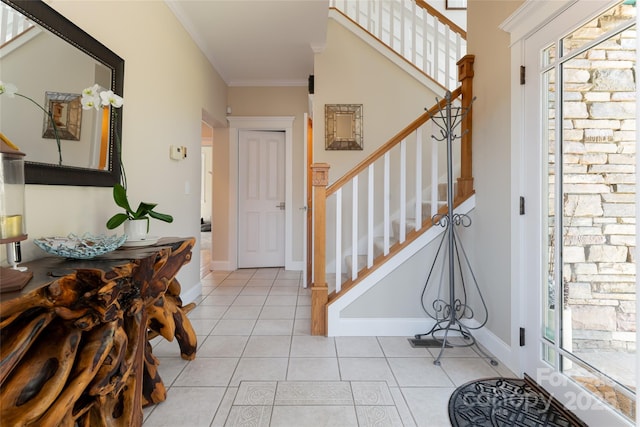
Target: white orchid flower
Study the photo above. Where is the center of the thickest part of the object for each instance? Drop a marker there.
(91, 91)
(8, 88)
(110, 98)
(90, 101)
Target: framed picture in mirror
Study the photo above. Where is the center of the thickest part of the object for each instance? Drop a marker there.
(66, 112)
(343, 126)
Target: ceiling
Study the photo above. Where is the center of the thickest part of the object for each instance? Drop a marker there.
(257, 42)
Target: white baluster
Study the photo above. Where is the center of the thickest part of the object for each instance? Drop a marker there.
(403, 191)
(413, 17)
(370, 199)
(380, 19)
(434, 176)
(354, 228)
(436, 50)
(429, 48)
(386, 221)
(4, 18)
(418, 212)
(447, 53)
(403, 42)
(339, 240)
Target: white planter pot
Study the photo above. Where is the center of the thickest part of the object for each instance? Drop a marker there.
(136, 229)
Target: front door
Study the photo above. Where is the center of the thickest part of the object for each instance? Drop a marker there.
(261, 198)
(580, 232)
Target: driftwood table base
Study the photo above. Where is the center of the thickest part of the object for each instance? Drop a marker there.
(76, 351)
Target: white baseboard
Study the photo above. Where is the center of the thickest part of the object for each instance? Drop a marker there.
(221, 266)
(228, 266)
(498, 348)
(295, 266)
(192, 294)
(409, 327)
(379, 327)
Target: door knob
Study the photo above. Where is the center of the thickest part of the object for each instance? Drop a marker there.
(281, 206)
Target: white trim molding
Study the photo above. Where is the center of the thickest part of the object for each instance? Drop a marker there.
(192, 295)
(280, 123)
(532, 16)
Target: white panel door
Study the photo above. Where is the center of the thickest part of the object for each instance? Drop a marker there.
(261, 196)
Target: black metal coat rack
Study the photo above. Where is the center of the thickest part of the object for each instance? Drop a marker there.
(448, 296)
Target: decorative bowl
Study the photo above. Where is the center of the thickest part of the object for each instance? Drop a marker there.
(86, 246)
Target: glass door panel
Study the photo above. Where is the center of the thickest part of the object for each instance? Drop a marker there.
(597, 288)
(549, 139)
(589, 129)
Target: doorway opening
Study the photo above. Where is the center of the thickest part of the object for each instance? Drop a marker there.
(206, 197)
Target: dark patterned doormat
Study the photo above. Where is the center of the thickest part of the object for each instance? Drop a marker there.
(500, 402)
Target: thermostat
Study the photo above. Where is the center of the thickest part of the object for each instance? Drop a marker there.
(177, 152)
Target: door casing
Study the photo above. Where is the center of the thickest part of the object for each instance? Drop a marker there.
(281, 123)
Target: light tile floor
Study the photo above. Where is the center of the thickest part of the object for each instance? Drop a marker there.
(258, 365)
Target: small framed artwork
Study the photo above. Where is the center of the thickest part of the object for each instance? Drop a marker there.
(456, 4)
(343, 126)
(66, 112)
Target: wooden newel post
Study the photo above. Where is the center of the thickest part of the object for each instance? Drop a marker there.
(465, 76)
(319, 289)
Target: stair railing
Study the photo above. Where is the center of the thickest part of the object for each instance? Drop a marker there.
(415, 30)
(12, 24)
(390, 202)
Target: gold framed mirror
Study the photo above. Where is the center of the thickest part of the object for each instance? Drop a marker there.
(343, 126)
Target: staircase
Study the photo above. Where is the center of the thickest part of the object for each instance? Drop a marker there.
(415, 31)
(378, 214)
(15, 29)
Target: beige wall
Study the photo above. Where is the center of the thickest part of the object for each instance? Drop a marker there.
(168, 83)
(255, 102)
(349, 71)
(490, 232)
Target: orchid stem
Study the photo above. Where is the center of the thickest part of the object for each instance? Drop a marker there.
(53, 125)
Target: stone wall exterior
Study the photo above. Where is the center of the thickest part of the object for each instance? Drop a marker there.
(599, 175)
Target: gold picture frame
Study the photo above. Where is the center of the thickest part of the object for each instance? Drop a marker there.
(66, 111)
(343, 126)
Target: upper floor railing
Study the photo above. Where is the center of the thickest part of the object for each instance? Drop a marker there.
(12, 24)
(413, 29)
(15, 29)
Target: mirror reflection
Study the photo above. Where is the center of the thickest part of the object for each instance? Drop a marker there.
(50, 72)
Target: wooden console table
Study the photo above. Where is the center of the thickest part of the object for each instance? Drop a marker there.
(74, 349)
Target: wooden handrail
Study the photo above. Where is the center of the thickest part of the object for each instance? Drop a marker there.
(391, 143)
(433, 11)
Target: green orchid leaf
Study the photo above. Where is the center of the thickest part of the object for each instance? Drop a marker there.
(161, 216)
(120, 197)
(143, 210)
(116, 220)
